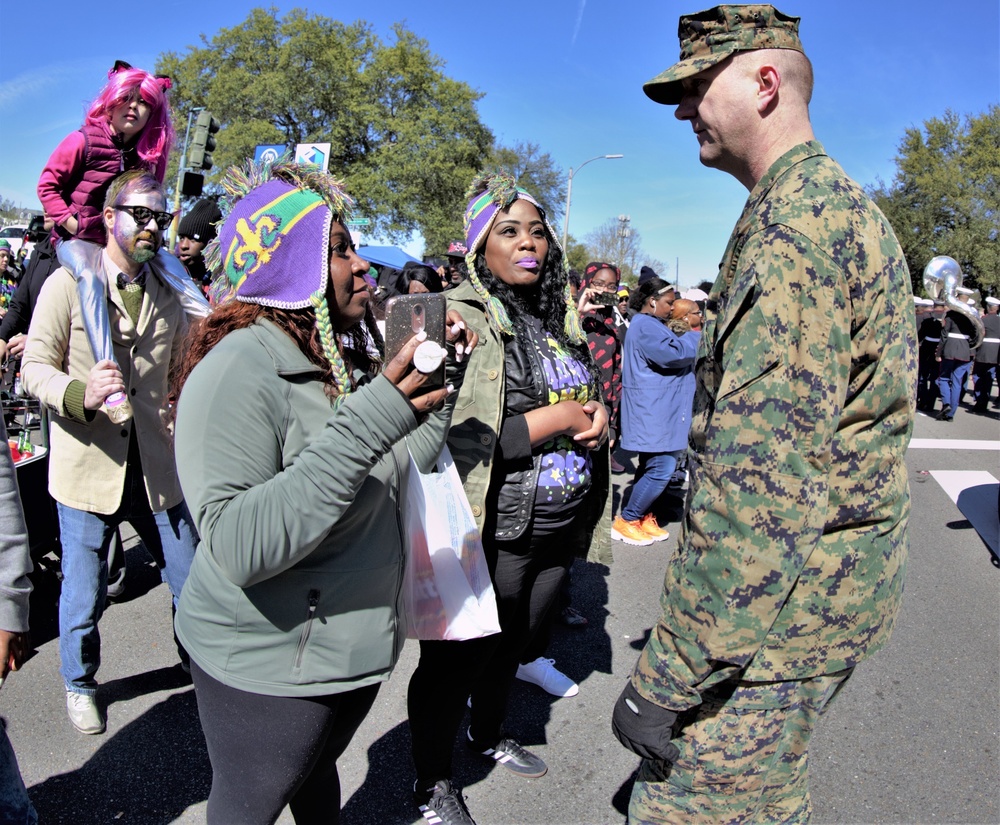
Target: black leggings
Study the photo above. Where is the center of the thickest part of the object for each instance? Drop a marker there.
(526, 575)
(271, 751)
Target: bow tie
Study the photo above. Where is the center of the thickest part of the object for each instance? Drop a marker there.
(139, 282)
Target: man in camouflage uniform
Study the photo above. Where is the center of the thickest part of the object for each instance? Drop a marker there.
(790, 567)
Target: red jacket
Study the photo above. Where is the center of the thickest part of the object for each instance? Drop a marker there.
(78, 174)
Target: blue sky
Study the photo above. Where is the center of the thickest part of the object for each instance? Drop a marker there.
(566, 74)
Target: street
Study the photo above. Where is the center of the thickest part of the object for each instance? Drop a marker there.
(914, 737)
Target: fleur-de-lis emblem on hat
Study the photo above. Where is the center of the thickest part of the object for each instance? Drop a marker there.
(256, 243)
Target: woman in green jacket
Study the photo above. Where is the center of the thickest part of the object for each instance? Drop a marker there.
(291, 454)
(529, 438)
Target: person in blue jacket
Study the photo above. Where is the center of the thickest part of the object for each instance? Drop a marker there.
(657, 397)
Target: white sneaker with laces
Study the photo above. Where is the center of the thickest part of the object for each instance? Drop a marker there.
(542, 672)
(83, 713)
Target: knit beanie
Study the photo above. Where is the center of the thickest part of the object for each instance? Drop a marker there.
(273, 245)
(199, 222)
(646, 273)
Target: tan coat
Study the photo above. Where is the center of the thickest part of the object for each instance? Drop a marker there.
(87, 459)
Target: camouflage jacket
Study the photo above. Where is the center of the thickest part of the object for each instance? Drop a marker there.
(794, 545)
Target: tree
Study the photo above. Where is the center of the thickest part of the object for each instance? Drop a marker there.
(945, 196)
(8, 209)
(616, 242)
(577, 255)
(537, 172)
(405, 138)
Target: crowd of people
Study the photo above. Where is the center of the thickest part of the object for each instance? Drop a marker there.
(232, 400)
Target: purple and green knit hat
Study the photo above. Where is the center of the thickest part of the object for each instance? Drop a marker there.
(273, 246)
(488, 194)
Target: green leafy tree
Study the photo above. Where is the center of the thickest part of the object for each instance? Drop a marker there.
(537, 172)
(577, 255)
(405, 138)
(945, 196)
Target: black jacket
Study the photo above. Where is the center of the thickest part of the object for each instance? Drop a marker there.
(43, 262)
(989, 351)
(956, 336)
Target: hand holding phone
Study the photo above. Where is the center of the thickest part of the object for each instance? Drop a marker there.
(593, 299)
(408, 315)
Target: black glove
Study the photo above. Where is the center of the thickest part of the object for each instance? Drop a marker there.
(643, 727)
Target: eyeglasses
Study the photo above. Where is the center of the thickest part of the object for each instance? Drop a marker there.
(142, 214)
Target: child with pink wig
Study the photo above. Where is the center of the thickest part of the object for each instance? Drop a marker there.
(128, 126)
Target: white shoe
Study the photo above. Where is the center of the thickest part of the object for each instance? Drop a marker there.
(83, 713)
(542, 672)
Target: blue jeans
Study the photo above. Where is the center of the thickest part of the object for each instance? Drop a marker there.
(170, 538)
(951, 380)
(655, 472)
(15, 807)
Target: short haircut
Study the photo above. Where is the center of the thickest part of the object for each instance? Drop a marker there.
(135, 180)
(682, 307)
(795, 68)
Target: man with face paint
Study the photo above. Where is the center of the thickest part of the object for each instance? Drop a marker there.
(102, 473)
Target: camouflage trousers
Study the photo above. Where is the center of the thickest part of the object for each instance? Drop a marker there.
(743, 756)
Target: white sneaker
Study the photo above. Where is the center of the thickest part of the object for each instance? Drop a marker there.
(83, 713)
(542, 672)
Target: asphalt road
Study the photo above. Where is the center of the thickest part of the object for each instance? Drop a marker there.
(913, 738)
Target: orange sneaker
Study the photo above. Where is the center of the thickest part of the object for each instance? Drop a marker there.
(629, 532)
(651, 528)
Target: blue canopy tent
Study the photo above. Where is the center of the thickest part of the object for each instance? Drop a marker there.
(391, 256)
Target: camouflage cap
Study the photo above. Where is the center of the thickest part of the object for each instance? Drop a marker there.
(709, 37)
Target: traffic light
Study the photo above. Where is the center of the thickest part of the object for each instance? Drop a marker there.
(193, 184)
(202, 141)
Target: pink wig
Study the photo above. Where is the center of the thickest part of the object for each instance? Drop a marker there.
(157, 137)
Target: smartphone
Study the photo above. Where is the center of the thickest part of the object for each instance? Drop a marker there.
(605, 298)
(405, 316)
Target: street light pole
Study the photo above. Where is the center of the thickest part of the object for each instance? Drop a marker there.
(569, 193)
(172, 238)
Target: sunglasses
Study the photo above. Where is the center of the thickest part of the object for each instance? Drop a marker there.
(142, 214)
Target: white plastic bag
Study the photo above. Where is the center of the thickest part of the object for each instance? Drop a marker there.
(447, 592)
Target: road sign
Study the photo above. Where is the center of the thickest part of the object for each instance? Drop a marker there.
(359, 222)
(318, 154)
(268, 152)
